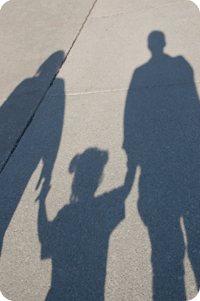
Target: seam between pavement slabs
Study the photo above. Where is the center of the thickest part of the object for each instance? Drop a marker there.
(146, 9)
(42, 98)
(119, 90)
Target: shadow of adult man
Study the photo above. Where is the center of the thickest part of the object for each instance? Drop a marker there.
(162, 135)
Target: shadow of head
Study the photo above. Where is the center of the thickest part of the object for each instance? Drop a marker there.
(156, 42)
(88, 171)
(51, 65)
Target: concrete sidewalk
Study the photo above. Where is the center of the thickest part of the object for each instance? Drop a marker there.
(71, 229)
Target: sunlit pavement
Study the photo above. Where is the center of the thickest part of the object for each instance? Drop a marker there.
(72, 227)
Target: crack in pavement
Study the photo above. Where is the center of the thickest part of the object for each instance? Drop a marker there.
(119, 90)
(42, 98)
(148, 8)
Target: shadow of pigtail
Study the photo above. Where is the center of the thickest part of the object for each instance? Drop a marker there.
(88, 171)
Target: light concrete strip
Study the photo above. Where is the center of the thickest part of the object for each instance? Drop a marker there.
(140, 11)
(111, 8)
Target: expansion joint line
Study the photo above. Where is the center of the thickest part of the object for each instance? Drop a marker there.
(42, 98)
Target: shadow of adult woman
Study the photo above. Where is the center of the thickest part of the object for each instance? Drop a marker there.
(42, 138)
(77, 239)
(162, 135)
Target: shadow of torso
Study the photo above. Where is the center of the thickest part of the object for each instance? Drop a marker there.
(77, 241)
(162, 130)
(43, 143)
